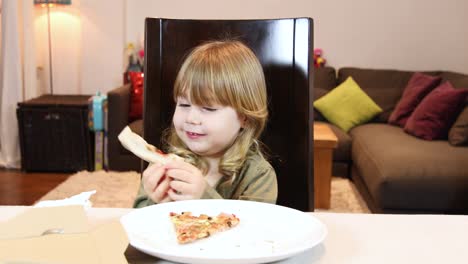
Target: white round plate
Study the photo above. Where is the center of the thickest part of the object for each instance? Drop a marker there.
(266, 232)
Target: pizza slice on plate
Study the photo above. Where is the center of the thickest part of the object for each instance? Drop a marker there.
(190, 228)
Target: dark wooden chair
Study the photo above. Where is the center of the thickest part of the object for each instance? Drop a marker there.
(284, 48)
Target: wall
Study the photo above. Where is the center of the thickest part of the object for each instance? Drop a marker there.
(102, 44)
(400, 34)
(87, 46)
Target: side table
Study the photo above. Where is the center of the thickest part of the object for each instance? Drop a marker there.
(54, 134)
(324, 143)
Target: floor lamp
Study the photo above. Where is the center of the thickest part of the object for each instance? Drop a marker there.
(48, 4)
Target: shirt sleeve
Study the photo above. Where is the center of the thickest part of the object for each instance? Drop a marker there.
(261, 185)
(142, 198)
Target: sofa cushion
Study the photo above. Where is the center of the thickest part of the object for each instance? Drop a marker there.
(404, 172)
(458, 133)
(458, 80)
(417, 88)
(385, 87)
(347, 105)
(437, 112)
(325, 78)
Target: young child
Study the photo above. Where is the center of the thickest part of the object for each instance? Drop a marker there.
(221, 110)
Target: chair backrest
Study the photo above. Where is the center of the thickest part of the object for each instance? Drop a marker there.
(284, 48)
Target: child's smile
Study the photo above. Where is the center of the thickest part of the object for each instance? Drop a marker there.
(193, 135)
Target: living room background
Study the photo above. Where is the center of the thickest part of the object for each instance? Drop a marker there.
(89, 42)
(89, 39)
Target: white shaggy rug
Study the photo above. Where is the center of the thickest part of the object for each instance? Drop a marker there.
(119, 189)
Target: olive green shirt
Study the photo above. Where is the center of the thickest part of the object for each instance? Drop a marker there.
(256, 181)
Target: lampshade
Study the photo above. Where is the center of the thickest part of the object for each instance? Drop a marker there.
(56, 2)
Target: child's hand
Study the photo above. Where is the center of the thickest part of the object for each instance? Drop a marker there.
(156, 183)
(187, 181)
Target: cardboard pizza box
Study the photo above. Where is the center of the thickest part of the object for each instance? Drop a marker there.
(22, 239)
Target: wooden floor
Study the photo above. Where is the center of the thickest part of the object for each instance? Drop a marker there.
(21, 188)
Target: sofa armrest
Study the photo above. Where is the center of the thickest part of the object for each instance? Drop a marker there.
(118, 103)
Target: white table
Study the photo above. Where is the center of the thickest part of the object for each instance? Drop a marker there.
(352, 238)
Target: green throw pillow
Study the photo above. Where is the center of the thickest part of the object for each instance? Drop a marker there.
(347, 105)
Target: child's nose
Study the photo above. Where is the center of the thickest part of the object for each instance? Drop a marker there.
(193, 116)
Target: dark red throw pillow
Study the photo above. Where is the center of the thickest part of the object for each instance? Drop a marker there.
(437, 112)
(417, 88)
(136, 96)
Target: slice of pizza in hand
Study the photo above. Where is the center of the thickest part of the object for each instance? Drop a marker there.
(190, 228)
(138, 146)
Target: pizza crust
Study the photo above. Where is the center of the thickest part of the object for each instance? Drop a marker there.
(138, 146)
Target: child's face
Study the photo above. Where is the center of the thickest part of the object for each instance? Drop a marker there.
(207, 130)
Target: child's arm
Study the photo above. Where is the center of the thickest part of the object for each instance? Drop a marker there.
(187, 181)
(156, 183)
(154, 186)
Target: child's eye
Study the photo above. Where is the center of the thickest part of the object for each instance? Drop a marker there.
(183, 105)
(210, 109)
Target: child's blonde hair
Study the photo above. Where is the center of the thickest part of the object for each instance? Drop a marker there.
(225, 73)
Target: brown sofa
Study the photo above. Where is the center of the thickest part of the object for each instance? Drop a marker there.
(119, 158)
(394, 171)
